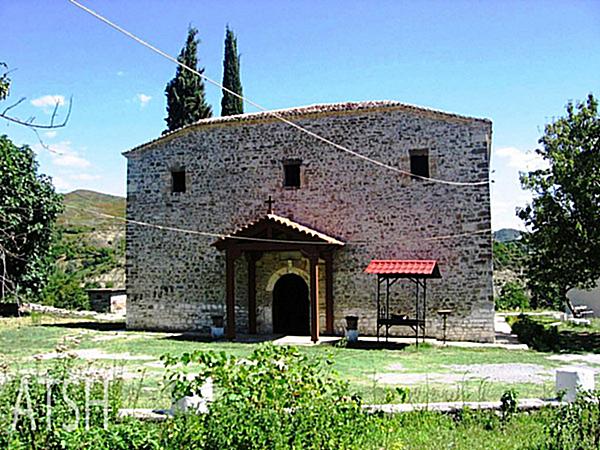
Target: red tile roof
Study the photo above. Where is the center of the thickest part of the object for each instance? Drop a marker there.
(427, 267)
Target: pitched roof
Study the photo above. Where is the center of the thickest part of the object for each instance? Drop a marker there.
(246, 231)
(304, 111)
(404, 267)
(303, 229)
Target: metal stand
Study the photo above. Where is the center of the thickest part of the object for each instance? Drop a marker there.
(444, 313)
(385, 318)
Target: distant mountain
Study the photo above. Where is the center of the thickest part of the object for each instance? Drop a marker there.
(91, 248)
(507, 234)
(85, 208)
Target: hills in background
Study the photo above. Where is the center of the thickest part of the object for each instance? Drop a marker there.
(91, 239)
(89, 248)
(82, 208)
(507, 235)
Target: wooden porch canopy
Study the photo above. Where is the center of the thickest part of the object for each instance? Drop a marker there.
(390, 271)
(273, 233)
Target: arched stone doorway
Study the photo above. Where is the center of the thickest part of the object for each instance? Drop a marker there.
(291, 306)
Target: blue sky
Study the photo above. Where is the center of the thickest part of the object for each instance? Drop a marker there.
(517, 63)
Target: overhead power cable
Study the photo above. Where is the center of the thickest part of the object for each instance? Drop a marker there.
(265, 110)
(469, 233)
(243, 238)
(222, 235)
(196, 232)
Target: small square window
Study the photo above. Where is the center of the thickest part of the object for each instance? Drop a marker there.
(291, 174)
(419, 163)
(178, 181)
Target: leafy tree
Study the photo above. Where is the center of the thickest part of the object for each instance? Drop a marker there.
(230, 104)
(78, 262)
(28, 208)
(186, 101)
(564, 243)
(509, 255)
(512, 296)
(4, 83)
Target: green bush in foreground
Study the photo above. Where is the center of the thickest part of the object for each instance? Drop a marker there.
(280, 399)
(42, 409)
(276, 398)
(577, 426)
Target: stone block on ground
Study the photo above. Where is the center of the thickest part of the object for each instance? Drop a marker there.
(574, 380)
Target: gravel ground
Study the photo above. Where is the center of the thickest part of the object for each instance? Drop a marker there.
(496, 373)
(94, 353)
(590, 358)
(503, 373)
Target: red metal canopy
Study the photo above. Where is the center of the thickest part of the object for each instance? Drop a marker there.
(421, 268)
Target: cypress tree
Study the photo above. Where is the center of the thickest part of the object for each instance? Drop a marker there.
(230, 104)
(186, 102)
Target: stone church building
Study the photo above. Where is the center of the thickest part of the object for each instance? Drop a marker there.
(247, 218)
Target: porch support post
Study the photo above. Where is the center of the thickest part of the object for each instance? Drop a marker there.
(230, 256)
(314, 297)
(328, 293)
(251, 258)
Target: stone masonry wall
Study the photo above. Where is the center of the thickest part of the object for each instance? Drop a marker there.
(176, 280)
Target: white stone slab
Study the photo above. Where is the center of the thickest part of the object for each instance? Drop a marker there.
(195, 403)
(573, 380)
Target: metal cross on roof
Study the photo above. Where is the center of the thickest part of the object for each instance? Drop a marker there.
(269, 203)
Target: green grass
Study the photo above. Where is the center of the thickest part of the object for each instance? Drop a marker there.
(21, 339)
(594, 327)
(431, 431)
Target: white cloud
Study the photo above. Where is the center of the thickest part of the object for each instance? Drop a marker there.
(143, 99)
(61, 184)
(50, 134)
(520, 159)
(120, 73)
(84, 177)
(48, 101)
(506, 192)
(63, 155)
(71, 160)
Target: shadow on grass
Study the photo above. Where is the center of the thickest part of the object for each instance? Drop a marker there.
(542, 335)
(205, 338)
(370, 345)
(578, 341)
(96, 326)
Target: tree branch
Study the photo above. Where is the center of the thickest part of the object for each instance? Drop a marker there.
(39, 126)
(21, 100)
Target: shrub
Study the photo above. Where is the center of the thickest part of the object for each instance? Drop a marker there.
(542, 333)
(276, 398)
(576, 425)
(536, 333)
(64, 290)
(508, 404)
(65, 390)
(512, 296)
